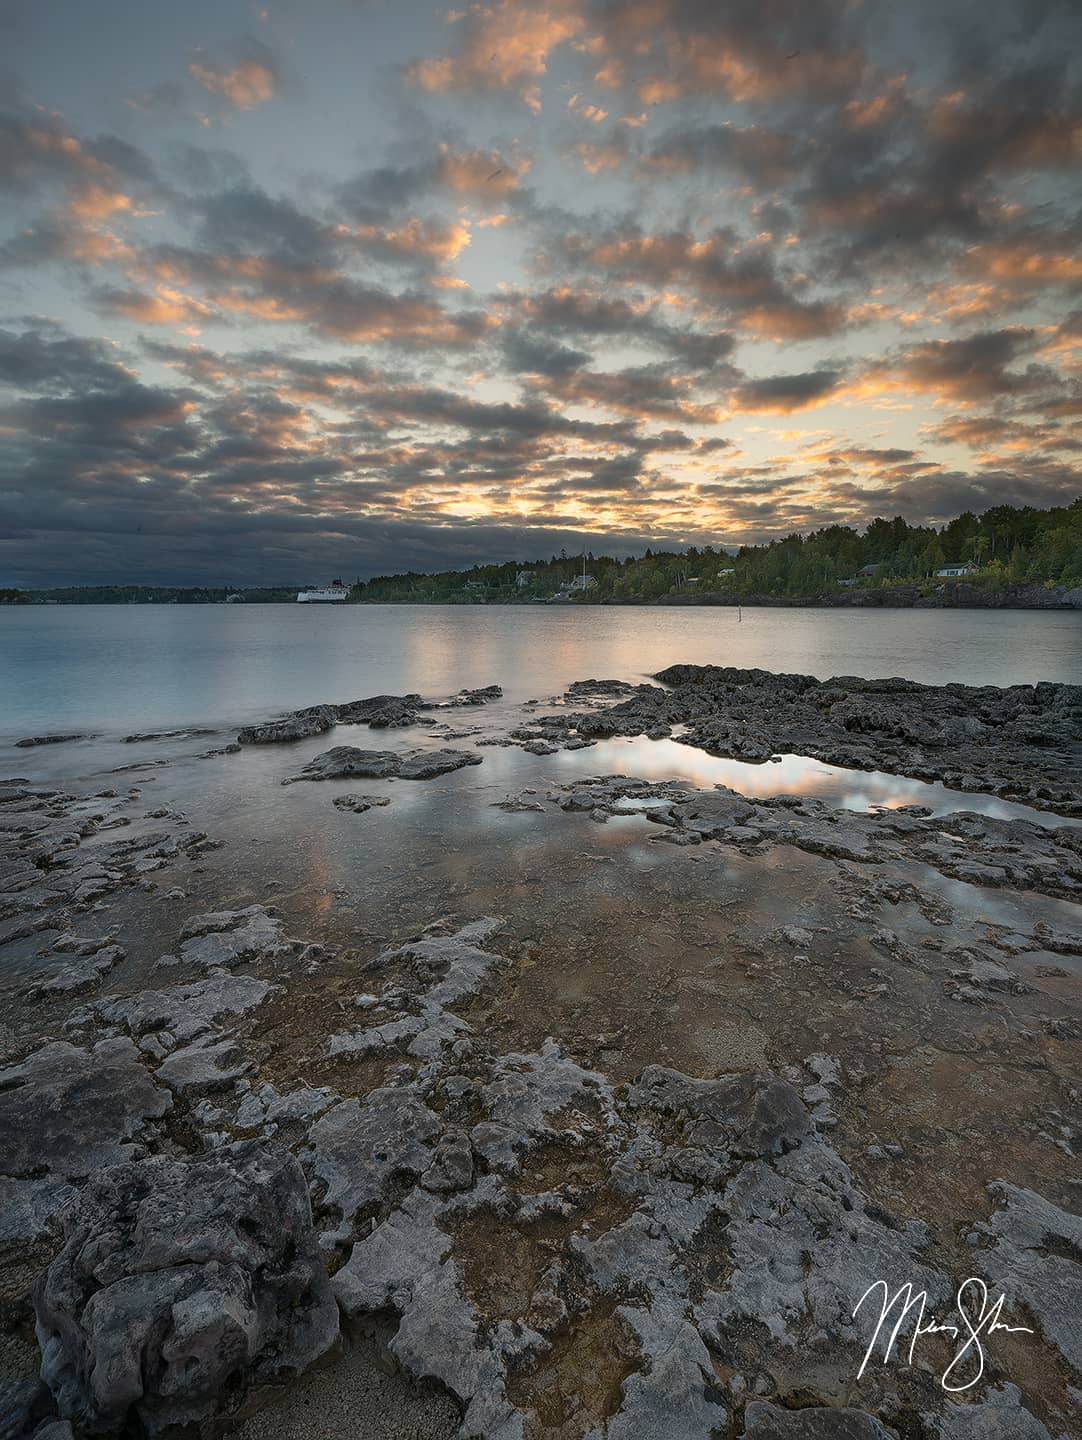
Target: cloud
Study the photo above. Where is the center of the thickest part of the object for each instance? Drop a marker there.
(739, 279)
(784, 394)
(243, 84)
(974, 368)
(501, 46)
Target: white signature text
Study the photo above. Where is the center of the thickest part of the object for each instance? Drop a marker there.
(977, 1317)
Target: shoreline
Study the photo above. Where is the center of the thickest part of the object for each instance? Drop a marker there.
(660, 1068)
(906, 595)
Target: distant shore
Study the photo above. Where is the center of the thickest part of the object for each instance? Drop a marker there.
(955, 595)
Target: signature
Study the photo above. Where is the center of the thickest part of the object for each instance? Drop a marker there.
(977, 1315)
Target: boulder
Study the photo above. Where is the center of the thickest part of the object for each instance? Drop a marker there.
(182, 1283)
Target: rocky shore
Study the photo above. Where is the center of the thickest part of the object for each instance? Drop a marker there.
(584, 1106)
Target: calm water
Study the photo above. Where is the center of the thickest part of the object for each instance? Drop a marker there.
(120, 668)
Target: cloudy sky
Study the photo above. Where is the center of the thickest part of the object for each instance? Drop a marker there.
(290, 290)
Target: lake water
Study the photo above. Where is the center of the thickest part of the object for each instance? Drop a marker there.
(118, 668)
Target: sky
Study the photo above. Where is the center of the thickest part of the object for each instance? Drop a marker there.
(308, 288)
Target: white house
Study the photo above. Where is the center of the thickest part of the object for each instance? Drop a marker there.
(583, 582)
(731, 570)
(523, 578)
(967, 569)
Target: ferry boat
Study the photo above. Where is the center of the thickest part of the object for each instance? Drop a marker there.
(329, 594)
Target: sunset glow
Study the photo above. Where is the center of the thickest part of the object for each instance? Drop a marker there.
(363, 287)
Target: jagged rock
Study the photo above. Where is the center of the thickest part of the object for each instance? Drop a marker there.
(424, 764)
(300, 725)
(382, 712)
(966, 736)
(64, 1113)
(180, 1284)
(598, 687)
(452, 1164)
(482, 696)
(763, 1421)
(346, 760)
(54, 1430)
(266, 1107)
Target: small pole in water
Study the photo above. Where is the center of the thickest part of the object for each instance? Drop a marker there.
(740, 614)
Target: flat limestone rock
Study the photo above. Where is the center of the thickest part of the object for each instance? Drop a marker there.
(1000, 1417)
(230, 937)
(1036, 1260)
(751, 1115)
(360, 1146)
(180, 1283)
(202, 1067)
(65, 1113)
(185, 1010)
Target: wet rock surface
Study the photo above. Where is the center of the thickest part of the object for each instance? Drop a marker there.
(298, 726)
(345, 761)
(1025, 741)
(612, 1148)
(980, 849)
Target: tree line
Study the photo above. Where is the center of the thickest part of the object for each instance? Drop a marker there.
(1007, 544)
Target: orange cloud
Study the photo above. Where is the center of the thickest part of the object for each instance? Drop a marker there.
(163, 307)
(481, 172)
(505, 46)
(428, 239)
(596, 159)
(95, 202)
(250, 83)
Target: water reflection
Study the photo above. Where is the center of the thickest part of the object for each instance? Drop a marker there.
(119, 668)
(862, 790)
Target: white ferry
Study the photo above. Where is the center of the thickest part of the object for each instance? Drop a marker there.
(329, 594)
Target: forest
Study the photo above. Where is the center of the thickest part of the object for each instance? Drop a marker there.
(1007, 545)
